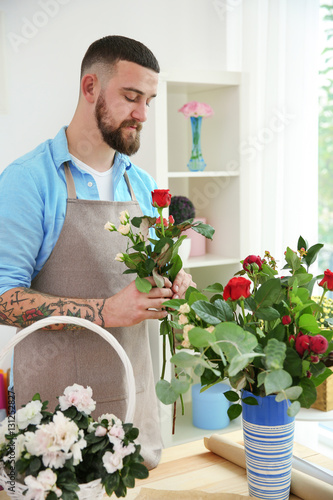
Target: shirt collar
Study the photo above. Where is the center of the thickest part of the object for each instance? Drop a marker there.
(61, 154)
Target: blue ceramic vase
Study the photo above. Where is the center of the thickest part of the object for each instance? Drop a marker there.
(268, 440)
(196, 163)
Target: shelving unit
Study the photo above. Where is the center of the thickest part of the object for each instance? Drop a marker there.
(215, 192)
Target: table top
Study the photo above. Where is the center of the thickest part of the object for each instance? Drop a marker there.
(191, 466)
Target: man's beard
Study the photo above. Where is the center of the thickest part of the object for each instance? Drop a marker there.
(113, 136)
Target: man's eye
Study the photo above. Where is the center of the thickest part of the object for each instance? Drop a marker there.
(129, 100)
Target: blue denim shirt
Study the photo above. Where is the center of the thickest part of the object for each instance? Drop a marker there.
(33, 198)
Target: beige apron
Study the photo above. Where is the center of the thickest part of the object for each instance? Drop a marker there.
(82, 265)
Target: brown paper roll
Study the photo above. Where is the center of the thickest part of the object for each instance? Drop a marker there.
(305, 487)
(151, 494)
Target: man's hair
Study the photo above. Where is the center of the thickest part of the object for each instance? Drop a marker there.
(111, 49)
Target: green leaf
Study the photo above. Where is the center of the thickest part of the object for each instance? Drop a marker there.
(165, 392)
(177, 264)
(293, 392)
(199, 337)
(293, 363)
(293, 409)
(180, 386)
(309, 323)
(139, 471)
(277, 381)
(319, 379)
(275, 354)
(268, 293)
(111, 483)
(234, 411)
(204, 229)
(215, 288)
(309, 394)
(312, 254)
(231, 396)
(159, 280)
(143, 285)
(186, 360)
(302, 243)
(207, 312)
(250, 401)
(267, 313)
(225, 311)
(292, 259)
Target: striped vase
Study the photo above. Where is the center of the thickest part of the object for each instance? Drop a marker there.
(268, 441)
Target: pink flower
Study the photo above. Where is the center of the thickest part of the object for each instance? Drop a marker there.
(78, 396)
(195, 108)
(112, 462)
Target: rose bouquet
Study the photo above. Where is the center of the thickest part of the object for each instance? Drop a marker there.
(54, 454)
(261, 331)
(156, 255)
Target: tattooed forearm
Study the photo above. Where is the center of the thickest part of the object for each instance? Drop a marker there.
(22, 306)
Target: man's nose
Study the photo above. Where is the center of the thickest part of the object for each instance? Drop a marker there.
(140, 112)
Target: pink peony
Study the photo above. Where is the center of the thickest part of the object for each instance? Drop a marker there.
(195, 108)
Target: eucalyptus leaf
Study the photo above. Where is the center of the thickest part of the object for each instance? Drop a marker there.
(275, 354)
(293, 409)
(277, 381)
(199, 337)
(165, 392)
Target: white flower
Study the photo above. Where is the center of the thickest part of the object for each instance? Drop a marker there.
(78, 396)
(38, 488)
(124, 217)
(77, 447)
(100, 431)
(119, 257)
(110, 226)
(127, 450)
(67, 432)
(184, 308)
(112, 419)
(182, 320)
(4, 431)
(112, 462)
(124, 229)
(29, 414)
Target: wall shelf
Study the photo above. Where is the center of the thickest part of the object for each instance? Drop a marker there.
(220, 173)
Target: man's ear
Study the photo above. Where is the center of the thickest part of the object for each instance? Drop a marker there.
(89, 87)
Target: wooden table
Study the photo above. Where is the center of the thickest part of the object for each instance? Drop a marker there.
(192, 466)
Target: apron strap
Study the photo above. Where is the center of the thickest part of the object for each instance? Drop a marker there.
(71, 191)
(133, 198)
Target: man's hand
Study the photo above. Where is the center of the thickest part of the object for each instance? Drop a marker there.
(129, 306)
(182, 281)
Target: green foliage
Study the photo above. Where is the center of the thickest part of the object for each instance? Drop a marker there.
(255, 342)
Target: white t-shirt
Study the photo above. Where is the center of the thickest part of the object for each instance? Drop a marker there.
(104, 180)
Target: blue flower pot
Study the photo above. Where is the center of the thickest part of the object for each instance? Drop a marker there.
(209, 408)
(268, 440)
(196, 163)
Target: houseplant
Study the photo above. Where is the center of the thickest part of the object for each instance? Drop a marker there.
(262, 333)
(66, 454)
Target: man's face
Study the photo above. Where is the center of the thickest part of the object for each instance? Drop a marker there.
(121, 107)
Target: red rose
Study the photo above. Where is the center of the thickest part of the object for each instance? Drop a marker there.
(171, 219)
(286, 320)
(161, 198)
(252, 259)
(318, 344)
(327, 281)
(237, 288)
(302, 343)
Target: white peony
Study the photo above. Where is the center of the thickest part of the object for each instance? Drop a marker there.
(78, 396)
(29, 414)
(112, 462)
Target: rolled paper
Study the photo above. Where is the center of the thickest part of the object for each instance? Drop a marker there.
(302, 485)
(151, 494)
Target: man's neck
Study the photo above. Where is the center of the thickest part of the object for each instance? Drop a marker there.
(87, 145)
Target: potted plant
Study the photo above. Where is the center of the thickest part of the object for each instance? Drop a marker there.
(261, 331)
